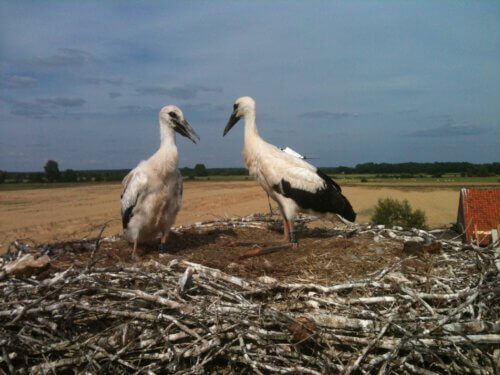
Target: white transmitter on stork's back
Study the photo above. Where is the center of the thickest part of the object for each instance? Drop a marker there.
(152, 191)
(293, 183)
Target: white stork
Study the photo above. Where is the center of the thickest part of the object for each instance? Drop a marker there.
(293, 183)
(152, 191)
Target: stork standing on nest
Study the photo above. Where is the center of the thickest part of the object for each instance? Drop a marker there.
(152, 191)
(293, 183)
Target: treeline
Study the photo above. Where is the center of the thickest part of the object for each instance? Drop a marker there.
(68, 175)
(53, 174)
(436, 169)
(200, 170)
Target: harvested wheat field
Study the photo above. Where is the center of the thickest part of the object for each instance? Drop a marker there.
(60, 214)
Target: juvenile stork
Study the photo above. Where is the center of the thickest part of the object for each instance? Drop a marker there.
(293, 183)
(152, 191)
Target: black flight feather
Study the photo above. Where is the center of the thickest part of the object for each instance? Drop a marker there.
(328, 180)
(126, 216)
(327, 199)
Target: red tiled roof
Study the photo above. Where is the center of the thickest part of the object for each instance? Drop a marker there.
(481, 212)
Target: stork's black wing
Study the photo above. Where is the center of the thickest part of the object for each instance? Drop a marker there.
(134, 184)
(325, 196)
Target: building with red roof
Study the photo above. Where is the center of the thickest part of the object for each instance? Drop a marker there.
(479, 214)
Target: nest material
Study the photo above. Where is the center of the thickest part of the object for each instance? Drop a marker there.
(187, 318)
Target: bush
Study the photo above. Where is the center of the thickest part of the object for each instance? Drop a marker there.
(392, 212)
(200, 170)
(69, 175)
(35, 177)
(3, 176)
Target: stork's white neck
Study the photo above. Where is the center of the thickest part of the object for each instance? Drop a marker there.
(250, 127)
(168, 148)
(167, 134)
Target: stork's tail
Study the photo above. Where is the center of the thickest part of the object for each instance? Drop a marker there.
(126, 216)
(347, 212)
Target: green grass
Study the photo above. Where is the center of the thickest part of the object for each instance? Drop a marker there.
(222, 178)
(447, 180)
(372, 178)
(46, 185)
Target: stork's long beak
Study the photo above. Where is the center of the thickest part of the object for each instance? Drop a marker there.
(184, 128)
(232, 120)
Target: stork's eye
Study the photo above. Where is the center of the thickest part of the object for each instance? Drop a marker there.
(235, 106)
(173, 115)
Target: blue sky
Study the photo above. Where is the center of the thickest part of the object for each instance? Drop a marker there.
(346, 82)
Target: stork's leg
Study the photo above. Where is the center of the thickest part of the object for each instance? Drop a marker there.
(286, 225)
(270, 207)
(286, 229)
(290, 241)
(163, 242)
(289, 233)
(135, 249)
(292, 238)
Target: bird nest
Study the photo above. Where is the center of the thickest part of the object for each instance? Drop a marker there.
(428, 309)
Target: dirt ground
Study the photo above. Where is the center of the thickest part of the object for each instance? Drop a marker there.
(49, 215)
(320, 257)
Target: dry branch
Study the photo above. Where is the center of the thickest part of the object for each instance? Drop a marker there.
(187, 318)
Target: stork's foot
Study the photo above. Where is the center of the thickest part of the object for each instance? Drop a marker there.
(134, 252)
(252, 243)
(264, 251)
(163, 241)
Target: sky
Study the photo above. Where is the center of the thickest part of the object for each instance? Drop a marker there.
(343, 82)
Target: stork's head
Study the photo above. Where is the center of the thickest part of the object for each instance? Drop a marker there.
(173, 117)
(242, 107)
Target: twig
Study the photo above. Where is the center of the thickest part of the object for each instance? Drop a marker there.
(7, 360)
(97, 243)
(369, 347)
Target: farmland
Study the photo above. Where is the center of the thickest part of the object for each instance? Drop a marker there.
(72, 211)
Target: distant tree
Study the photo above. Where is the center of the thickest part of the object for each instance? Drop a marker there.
(35, 177)
(17, 177)
(392, 212)
(200, 170)
(3, 176)
(477, 171)
(69, 175)
(52, 172)
(186, 171)
(343, 170)
(482, 171)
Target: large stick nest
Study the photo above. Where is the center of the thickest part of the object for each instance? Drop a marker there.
(170, 315)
